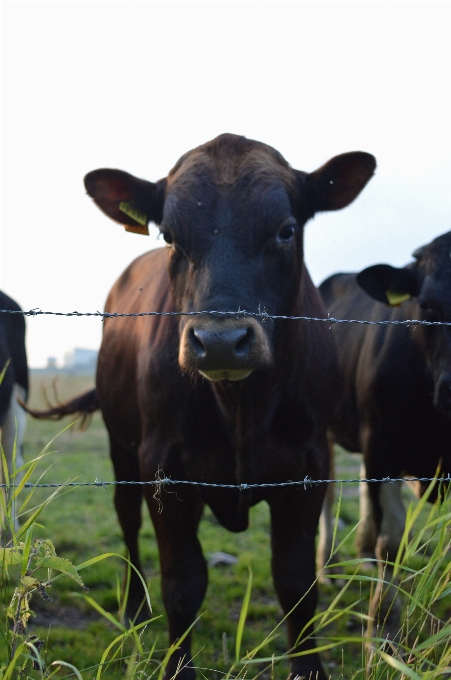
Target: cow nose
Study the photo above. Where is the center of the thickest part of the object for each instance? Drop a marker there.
(220, 348)
(229, 349)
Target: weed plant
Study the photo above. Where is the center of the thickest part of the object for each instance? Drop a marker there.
(29, 567)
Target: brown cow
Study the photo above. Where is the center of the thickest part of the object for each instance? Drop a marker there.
(221, 399)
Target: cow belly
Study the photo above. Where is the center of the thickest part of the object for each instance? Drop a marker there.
(344, 429)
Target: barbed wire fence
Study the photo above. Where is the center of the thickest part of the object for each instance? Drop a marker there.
(264, 316)
(160, 482)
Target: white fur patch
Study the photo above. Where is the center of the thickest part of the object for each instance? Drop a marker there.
(11, 436)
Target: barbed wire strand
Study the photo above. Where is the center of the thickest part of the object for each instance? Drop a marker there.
(306, 482)
(264, 316)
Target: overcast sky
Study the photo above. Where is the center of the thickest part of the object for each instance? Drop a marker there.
(134, 85)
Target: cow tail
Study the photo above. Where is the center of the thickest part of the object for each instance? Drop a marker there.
(82, 406)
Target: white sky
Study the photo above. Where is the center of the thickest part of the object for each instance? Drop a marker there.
(133, 85)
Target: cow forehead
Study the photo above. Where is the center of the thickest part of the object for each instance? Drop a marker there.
(436, 256)
(435, 266)
(229, 161)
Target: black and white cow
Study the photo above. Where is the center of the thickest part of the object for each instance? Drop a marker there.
(14, 385)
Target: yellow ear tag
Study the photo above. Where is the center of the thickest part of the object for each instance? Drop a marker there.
(396, 299)
(136, 215)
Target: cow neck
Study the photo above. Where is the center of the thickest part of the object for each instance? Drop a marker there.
(237, 407)
(244, 440)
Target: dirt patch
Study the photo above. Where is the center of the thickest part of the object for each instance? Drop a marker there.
(52, 614)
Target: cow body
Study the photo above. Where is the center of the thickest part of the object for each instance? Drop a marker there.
(268, 428)
(14, 385)
(395, 404)
(221, 399)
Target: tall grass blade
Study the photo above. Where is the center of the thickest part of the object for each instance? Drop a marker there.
(174, 646)
(26, 551)
(400, 666)
(88, 563)
(337, 515)
(243, 616)
(13, 663)
(119, 639)
(58, 664)
(5, 469)
(106, 615)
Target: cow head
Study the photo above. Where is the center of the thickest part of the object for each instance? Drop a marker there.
(428, 281)
(232, 214)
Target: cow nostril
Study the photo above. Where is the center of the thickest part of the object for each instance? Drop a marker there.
(243, 345)
(197, 344)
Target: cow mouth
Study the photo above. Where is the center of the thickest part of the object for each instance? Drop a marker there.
(226, 374)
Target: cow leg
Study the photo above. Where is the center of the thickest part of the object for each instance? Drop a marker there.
(128, 502)
(326, 526)
(366, 532)
(294, 521)
(390, 516)
(176, 516)
(12, 434)
(326, 531)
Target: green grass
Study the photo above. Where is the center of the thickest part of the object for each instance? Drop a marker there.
(82, 525)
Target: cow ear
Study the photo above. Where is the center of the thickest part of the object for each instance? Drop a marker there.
(337, 183)
(126, 199)
(388, 284)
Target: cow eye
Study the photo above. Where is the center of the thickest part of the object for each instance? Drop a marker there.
(286, 233)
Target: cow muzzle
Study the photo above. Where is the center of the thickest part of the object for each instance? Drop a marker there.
(224, 349)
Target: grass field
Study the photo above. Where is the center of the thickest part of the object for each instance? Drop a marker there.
(82, 524)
